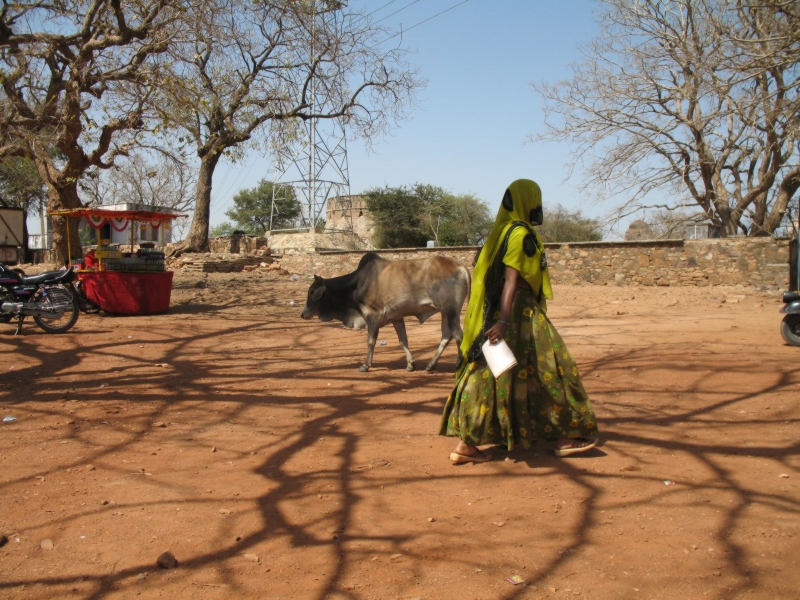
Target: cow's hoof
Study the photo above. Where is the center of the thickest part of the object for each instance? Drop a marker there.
(363, 368)
(411, 367)
(431, 367)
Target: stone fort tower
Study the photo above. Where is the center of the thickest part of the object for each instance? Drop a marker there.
(349, 213)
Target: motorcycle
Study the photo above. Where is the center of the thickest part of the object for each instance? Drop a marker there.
(49, 298)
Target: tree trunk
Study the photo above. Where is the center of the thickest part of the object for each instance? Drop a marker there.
(197, 240)
(65, 247)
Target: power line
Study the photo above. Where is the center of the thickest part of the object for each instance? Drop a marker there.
(395, 12)
(380, 8)
(425, 21)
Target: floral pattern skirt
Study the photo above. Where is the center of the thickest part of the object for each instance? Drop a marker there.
(541, 398)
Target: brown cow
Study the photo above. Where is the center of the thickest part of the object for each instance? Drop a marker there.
(382, 291)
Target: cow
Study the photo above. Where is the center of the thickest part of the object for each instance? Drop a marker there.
(382, 291)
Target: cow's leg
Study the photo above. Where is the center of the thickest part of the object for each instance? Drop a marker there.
(372, 337)
(448, 329)
(400, 328)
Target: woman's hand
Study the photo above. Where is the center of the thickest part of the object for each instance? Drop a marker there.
(496, 332)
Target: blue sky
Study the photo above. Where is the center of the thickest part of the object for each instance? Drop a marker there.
(468, 131)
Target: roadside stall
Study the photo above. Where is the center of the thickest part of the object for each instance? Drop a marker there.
(120, 282)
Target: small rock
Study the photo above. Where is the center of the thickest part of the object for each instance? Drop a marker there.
(90, 467)
(431, 519)
(784, 475)
(141, 576)
(694, 546)
(395, 556)
(224, 511)
(167, 560)
(104, 502)
(499, 523)
(332, 530)
(213, 448)
(250, 557)
(159, 424)
(46, 544)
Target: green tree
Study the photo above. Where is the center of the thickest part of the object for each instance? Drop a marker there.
(459, 220)
(21, 187)
(409, 216)
(561, 225)
(222, 230)
(252, 209)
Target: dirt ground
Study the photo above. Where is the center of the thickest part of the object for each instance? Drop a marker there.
(245, 441)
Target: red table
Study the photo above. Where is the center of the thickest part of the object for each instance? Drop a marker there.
(127, 293)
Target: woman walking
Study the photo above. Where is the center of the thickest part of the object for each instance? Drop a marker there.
(542, 397)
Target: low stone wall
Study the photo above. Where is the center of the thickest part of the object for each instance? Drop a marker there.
(758, 262)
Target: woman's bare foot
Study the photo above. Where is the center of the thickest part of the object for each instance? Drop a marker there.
(567, 446)
(467, 453)
(465, 449)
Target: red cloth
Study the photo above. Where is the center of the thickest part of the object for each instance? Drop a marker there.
(89, 260)
(128, 293)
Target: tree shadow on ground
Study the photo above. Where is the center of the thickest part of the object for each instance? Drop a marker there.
(218, 376)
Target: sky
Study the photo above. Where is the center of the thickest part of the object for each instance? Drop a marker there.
(468, 131)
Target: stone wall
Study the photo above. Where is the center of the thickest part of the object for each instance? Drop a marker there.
(236, 244)
(311, 242)
(758, 262)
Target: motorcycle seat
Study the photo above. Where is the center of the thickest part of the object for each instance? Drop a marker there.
(48, 277)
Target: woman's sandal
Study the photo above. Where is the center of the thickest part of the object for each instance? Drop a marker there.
(586, 444)
(478, 457)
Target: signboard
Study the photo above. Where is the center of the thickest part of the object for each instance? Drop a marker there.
(12, 221)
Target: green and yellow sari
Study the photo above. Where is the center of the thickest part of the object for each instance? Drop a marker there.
(543, 396)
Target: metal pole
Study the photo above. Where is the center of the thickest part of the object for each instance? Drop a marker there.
(69, 243)
(312, 166)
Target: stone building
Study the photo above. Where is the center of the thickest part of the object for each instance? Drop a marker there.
(637, 231)
(349, 214)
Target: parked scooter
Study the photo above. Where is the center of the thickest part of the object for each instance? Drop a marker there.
(49, 298)
(790, 326)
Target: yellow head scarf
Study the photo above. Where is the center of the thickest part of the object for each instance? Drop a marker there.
(509, 243)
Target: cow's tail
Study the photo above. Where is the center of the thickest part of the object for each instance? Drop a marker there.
(468, 275)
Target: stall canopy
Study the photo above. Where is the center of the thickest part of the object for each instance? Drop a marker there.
(119, 219)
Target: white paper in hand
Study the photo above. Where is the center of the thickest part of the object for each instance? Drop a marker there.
(499, 357)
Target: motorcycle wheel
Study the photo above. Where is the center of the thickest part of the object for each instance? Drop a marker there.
(57, 296)
(790, 329)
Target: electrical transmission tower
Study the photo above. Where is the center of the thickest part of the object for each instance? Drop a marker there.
(315, 169)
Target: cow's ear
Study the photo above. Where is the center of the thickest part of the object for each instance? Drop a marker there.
(318, 279)
(317, 293)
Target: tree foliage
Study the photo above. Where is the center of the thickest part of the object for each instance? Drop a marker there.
(78, 76)
(253, 211)
(21, 186)
(694, 98)
(409, 216)
(562, 225)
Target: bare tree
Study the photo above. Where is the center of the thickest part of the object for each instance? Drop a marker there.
(695, 98)
(77, 78)
(256, 69)
(151, 178)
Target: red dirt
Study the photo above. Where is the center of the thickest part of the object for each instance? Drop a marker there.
(244, 440)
